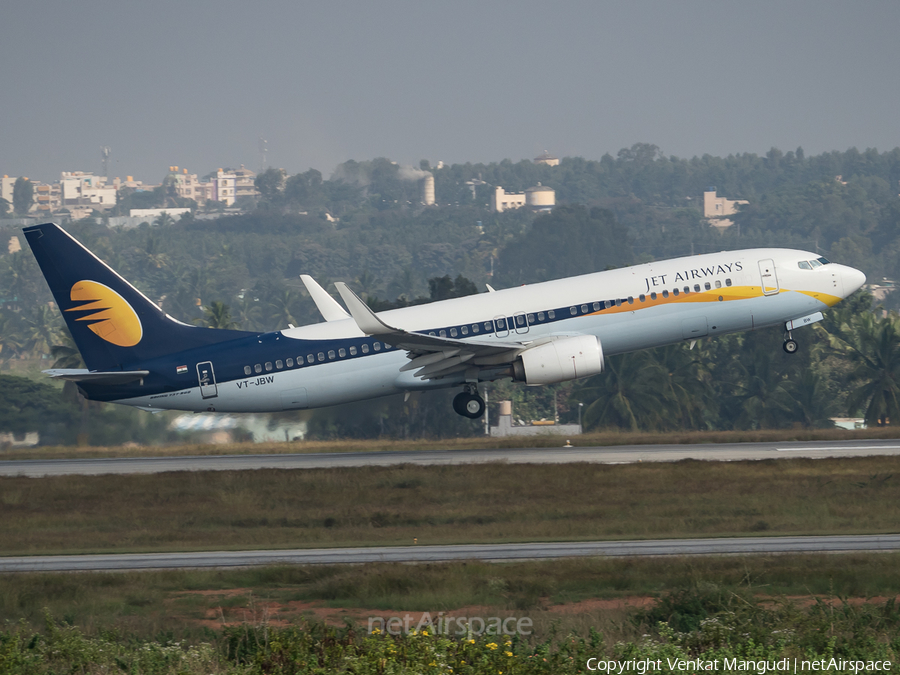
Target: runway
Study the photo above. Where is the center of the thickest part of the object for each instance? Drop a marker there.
(561, 455)
(420, 554)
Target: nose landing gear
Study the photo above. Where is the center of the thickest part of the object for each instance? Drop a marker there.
(468, 403)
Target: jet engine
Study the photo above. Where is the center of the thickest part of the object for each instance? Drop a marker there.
(560, 360)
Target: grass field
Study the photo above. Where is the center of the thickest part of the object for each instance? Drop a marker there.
(493, 502)
(557, 595)
(606, 438)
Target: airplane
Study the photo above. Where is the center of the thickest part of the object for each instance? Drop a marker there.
(542, 333)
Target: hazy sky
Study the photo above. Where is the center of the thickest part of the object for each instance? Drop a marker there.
(196, 83)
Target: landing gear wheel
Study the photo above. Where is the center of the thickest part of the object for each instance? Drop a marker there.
(790, 346)
(469, 405)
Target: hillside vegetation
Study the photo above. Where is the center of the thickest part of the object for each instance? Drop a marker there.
(365, 225)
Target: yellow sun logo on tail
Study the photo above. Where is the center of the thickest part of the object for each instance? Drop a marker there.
(113, 318)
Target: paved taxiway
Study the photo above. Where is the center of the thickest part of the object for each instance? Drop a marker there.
(602, 455)
(488, 552)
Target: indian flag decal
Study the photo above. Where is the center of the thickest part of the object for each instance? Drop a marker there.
(181, 370)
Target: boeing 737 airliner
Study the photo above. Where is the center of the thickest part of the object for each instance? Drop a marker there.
(539, 334)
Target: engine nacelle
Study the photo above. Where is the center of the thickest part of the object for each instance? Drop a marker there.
(560, 360)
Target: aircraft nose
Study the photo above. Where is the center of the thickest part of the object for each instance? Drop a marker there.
(852, 279)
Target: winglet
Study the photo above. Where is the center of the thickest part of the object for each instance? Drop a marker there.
(365, 318)
(328, 306)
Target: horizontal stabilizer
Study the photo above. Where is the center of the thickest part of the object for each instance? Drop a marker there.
(328, 307)
(94, 377)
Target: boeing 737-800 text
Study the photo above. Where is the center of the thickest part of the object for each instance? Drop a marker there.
(138, 355)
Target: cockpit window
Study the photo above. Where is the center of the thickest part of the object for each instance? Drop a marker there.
(824, 261)
(815, 263)
(803, 265)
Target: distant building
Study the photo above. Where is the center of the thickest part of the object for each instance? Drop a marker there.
(230, 186)
(188, 186)
(547, 159)
(7, 183)
(540, 198)
(80, 189)
(717, 209)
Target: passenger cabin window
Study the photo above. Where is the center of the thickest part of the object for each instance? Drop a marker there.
(596, 306)
(442, 333)
(707, 286)
(290, 363)
(279, 364)
(618, 302)
(330, 353)
(377, 346)
(584, 309)
(464, 330)
(665, 294)
(321, 356)
(687, 289)
(531, 319)
(365, 349)
(475, 328)
(342, 352)
(540, 316)
(675, 291)
(630, 300)
(728, 282)
(487, 326)
(696, 288)
(247, 370)
(718, 284)
(268, 366)
(551, 314)
(352, 351)
(642, 297)
(520, 320)
(310, 358)
(452, 332)
(803, 265)
(653, 295)
(607, 303)
(258, 368)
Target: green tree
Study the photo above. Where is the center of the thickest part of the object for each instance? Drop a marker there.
(873, 346)
(23, 195)
(4, 207)
(218, 315)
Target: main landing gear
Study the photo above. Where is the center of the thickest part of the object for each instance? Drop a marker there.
(790, 345)
(469, 403)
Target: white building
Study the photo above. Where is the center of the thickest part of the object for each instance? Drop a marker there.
(540, 198)
(547, 159)
(78, 188)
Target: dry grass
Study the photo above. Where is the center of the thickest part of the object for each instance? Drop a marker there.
(603, 439)
(494, 502)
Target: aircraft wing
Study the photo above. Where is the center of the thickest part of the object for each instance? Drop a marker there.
(433, 356)
(95, 377)
(328, 307)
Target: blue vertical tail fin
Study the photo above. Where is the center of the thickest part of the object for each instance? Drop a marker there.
(113, 324)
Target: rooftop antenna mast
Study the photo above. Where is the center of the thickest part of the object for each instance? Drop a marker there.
(263, 150)
(104, 159)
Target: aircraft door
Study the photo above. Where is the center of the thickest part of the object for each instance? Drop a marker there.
(501, 326)
(207, 378)
(520, 322)
(768, 277)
